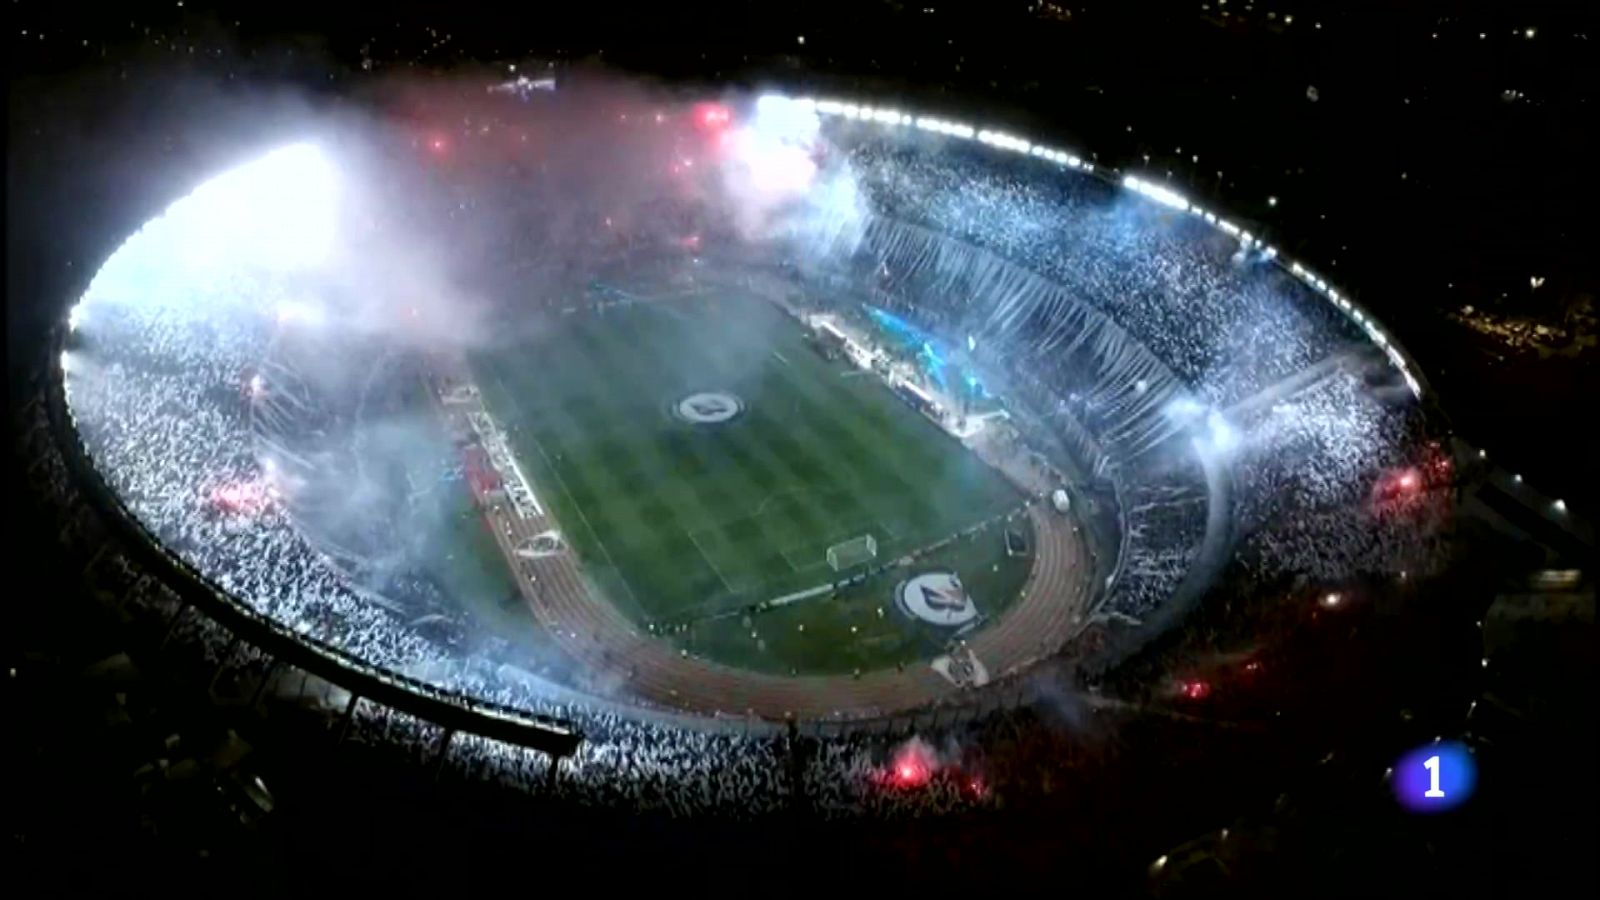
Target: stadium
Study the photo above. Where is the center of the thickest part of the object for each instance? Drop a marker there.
(728, 458)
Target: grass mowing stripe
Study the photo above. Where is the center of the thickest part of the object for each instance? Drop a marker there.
(608, 431)
(638, 348)
(733, 441)
(854, 508)
(710, 562)
(879, 488)
(656, 534)
(870, 472)
(549, 465)
(743, 509)
(927, 461)
(593, 488)
(875, 408)
(756, 446)
(728, 449)
(928, 452)
(930, 459)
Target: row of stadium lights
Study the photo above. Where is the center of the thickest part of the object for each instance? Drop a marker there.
(889, 116)
(1151, 190)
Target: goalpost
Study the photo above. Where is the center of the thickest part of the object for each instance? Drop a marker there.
(857, 551)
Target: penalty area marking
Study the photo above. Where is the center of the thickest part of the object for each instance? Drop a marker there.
(761, 508)
(787, 554)
(707, 557)
(718, 528)
(847, 533)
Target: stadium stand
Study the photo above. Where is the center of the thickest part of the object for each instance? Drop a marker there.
(1096, 312)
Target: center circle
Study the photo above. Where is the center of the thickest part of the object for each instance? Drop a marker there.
(708, 407)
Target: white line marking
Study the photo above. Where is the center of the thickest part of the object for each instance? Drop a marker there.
(787, 599)
(761, 507)
(570, 499)
(707, 557)
(790, 562)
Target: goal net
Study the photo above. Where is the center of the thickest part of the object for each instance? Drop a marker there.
(854, 552)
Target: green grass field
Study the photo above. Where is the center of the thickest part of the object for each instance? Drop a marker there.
(691, 524)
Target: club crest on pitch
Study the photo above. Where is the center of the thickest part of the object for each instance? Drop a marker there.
(708, 408)
(938, 598)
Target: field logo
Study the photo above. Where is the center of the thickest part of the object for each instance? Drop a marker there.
(936, 597)
(708, 408)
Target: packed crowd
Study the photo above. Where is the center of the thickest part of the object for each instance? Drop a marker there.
(1305, 486)
(1139, 313)
(163, 391)
(852, 776)
(627, 761)
(1227, 324)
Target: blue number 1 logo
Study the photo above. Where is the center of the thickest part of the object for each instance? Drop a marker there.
(1432, 765)
(1435, 777)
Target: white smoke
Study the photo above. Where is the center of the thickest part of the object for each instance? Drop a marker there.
(777, 180)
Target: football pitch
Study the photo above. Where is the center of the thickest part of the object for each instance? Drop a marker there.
(700, 458)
